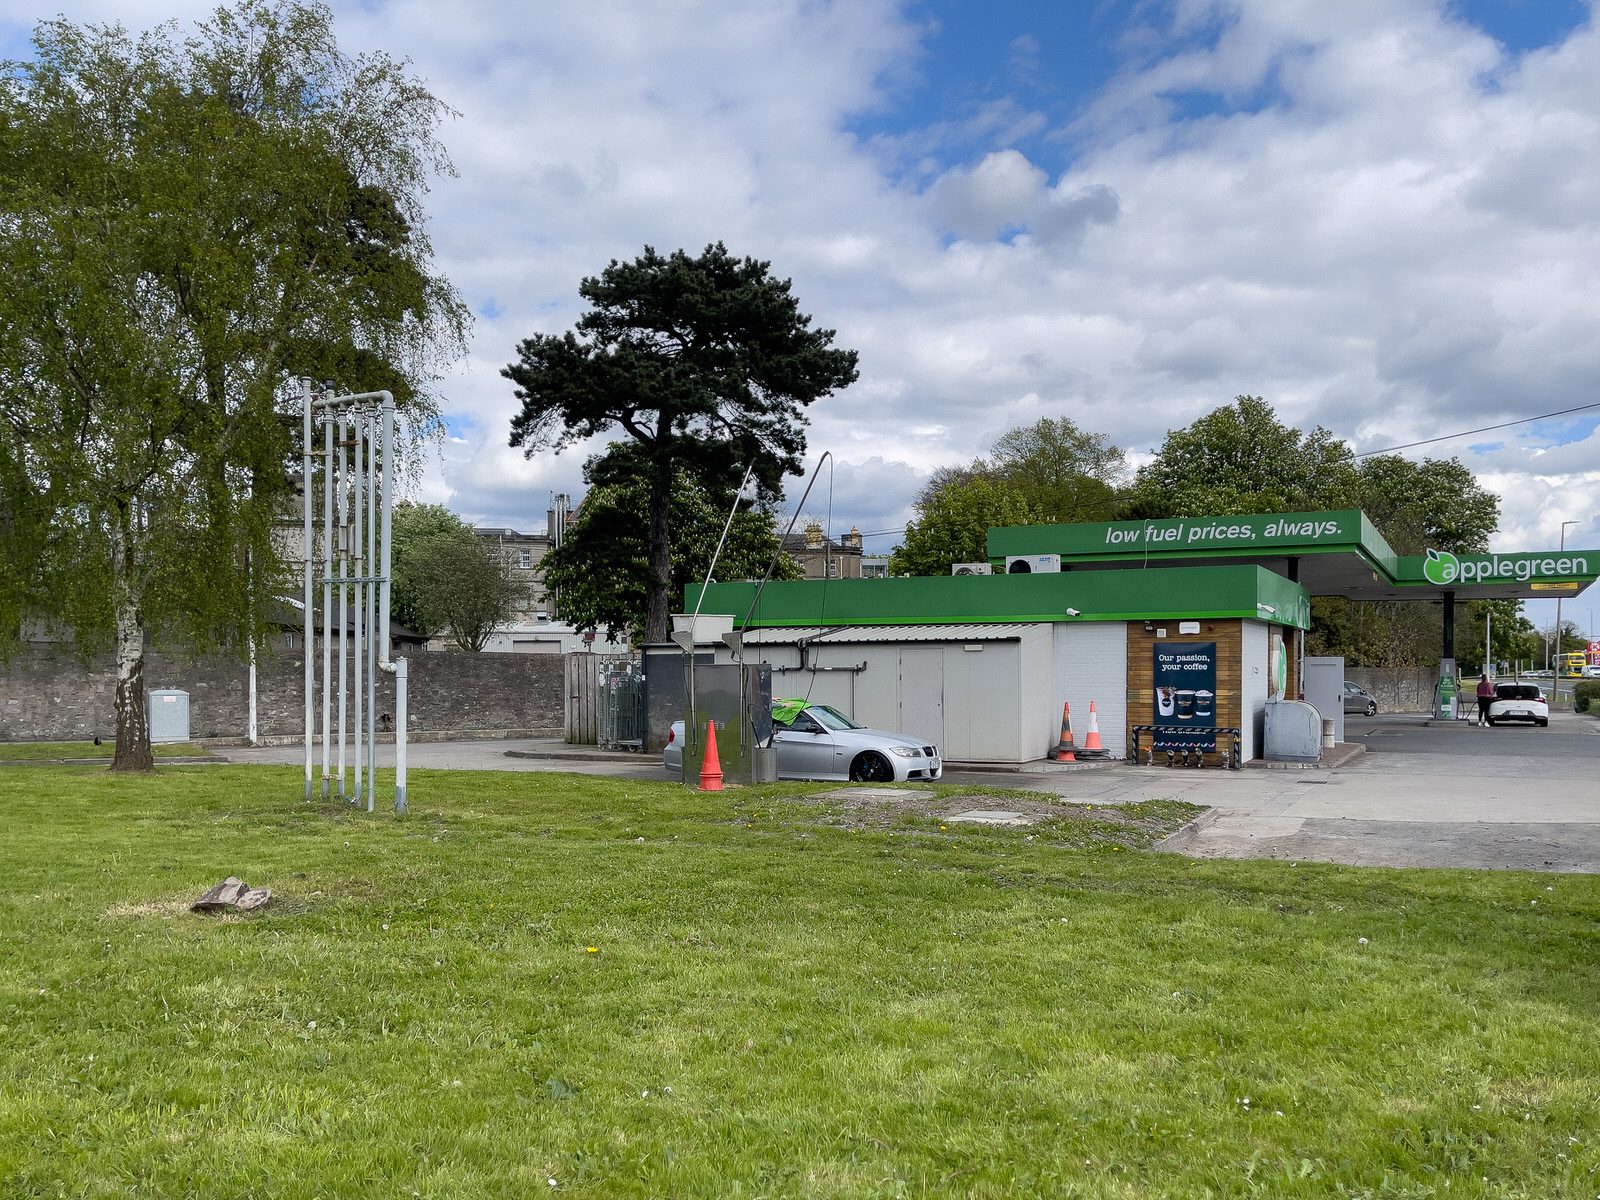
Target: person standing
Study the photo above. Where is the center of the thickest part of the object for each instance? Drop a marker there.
(1485, 698)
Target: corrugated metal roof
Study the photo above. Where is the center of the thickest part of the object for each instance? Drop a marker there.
(857, 634)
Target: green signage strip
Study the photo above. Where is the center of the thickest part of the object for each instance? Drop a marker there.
(1168, 594)
(1340, 531)
(1440, 568)
(1313, 530)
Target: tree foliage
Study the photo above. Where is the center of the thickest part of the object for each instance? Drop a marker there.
(1048, 472)
(1241, 459)
(1064, 473)
(463, 585)
(1435, 503)
(602, 568)
(953, 525)
(705, 363)
(411, 527)
(186, 223)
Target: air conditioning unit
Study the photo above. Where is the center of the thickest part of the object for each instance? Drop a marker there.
(971, 569)
(1033, 564)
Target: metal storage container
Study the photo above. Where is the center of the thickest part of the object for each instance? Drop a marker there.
(167, 711)
(1293, 732)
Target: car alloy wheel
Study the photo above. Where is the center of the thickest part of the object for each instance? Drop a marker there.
(871, 768)
(1372, 708)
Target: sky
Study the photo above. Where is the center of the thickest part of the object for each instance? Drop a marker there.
(1383, 216)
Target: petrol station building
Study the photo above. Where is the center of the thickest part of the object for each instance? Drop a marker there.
(1154, 622)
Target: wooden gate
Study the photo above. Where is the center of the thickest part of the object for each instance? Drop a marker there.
(605, 700)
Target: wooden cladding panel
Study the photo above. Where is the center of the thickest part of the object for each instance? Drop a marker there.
(1229, 637)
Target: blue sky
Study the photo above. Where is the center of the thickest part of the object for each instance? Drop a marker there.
(1381, 215)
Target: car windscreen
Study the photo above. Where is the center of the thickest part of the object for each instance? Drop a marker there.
(831, 718)
(1516, 691)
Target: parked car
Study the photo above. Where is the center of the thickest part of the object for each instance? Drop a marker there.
(815, 741)
(1519, 702)
(1591, 672)
(1358, 700)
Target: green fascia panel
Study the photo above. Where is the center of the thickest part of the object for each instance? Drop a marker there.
(1340, 531)
(1543, 566)
(1168, 593)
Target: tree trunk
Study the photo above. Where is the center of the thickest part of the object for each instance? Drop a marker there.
(133, 727)
(657, 621)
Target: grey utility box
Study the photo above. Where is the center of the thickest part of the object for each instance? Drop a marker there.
(1324, 687)
(167, 711)
(1293, 732)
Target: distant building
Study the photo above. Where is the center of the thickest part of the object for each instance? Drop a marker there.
(875, 566)
(822, 557)
(523, 553)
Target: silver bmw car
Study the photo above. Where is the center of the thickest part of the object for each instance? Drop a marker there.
(815, 741)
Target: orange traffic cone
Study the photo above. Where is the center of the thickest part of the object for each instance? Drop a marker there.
(1064, 746)
(1092, 748)
(711, 767)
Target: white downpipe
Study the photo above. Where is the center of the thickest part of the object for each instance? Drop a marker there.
(397, 667)
(327, 598)
(305, 493)
(250, 729)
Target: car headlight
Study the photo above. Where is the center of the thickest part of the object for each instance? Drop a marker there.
(906, 751)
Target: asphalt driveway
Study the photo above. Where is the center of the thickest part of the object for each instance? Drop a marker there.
(1510, 797)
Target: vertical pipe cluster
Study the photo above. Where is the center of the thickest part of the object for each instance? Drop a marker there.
(358, 446)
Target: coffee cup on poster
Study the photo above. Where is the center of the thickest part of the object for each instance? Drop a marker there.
(1202, 703)
(1164, 701)
(1185, 702)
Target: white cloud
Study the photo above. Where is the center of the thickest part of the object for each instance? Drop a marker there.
(1366, 212)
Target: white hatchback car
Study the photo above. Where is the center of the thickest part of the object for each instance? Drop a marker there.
(819, 742)
(1519, 702)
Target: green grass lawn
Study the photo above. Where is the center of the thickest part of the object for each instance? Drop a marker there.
(639, 990)
(58, 751)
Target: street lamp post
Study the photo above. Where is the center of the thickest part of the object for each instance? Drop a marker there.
(1555, 680)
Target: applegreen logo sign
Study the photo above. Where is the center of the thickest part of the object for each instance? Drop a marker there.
(1441, 567)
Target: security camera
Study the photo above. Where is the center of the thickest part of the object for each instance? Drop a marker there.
(1072, 612)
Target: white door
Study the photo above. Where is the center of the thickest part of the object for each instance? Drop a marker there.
(922, 693)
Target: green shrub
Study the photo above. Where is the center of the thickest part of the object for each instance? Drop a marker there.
(1586, 695)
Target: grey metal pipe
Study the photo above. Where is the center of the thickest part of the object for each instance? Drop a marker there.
(372, 600)
(344, 587)
(397, 668)
(327, 599)
(305, 493)
(358, 570)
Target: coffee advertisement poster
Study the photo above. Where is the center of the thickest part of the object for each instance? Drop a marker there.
(1186, 693)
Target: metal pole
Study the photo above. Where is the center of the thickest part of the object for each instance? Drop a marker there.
(305, 495)
(398, 666)
(327, 598)
(1555, 680)
(344, 587)
(358, 571)
(372, 602)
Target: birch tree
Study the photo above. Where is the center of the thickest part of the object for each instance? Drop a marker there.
(186, 222)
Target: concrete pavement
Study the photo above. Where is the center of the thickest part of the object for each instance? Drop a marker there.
(1510, 798)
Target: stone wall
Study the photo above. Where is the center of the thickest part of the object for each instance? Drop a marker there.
(48, 693)
(1398, 689)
